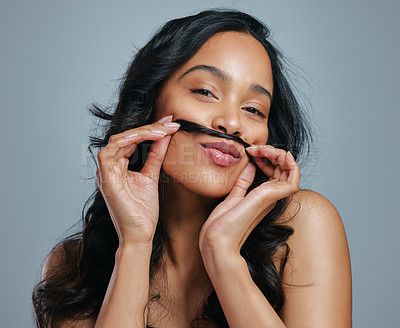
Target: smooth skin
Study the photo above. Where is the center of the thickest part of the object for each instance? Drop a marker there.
(205, 238)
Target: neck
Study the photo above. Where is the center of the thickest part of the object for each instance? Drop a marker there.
(183, 214)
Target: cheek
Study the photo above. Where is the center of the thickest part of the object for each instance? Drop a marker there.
(258, 137)
(178, 105)
(181, 153)
(265, 139)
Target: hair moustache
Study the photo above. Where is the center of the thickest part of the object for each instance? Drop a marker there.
(192, 127)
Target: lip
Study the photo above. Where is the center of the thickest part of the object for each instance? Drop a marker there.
(221, 153)
(223, 147)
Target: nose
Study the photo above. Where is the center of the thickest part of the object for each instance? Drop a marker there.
(227, 121)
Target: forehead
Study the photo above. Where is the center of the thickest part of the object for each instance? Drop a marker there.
(239, 54)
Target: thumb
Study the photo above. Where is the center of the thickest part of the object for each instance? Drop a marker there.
(155, 158)
(244, 181)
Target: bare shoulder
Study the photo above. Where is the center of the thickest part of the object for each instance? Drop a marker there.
(319, 261)
(318, 227)
(309, 209)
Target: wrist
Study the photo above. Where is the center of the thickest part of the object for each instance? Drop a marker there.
(220, 249)
(139, 249)
(221, 259)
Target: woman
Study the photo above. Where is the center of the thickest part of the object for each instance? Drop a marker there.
(188, 225)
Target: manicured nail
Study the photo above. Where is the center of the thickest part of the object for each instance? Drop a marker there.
(172, 125)
(165, 118)
(131, 135)
(252, 147)
(291, 156)
(156, 131)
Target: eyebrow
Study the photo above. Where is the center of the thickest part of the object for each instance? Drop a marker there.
(224, 76)
(259, 89)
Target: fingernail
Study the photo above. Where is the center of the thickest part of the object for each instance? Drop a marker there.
(172, 125)
(165, 118)
(291, 156)
(252, 147)
(156, 131)
(131, 135)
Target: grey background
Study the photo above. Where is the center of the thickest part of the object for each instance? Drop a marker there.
(58, 57)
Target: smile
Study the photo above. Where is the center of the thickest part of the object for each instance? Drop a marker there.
(221, 153)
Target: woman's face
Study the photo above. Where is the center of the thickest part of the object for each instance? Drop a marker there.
(226, 86)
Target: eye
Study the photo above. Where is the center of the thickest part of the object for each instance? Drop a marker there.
(255, 111)
(203, 92)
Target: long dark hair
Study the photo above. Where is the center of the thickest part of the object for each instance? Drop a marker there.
(76, 288)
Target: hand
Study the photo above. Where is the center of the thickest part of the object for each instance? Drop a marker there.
(132, 197)
(232, 221)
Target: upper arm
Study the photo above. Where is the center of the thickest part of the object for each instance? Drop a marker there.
(319, 260)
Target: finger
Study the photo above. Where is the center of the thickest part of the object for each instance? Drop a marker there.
(275, 155)
(244, 181)
(294, 173)
(265, 153)
(284, 176)
(155, 158)
(121, 146)
(154, 131)
(125, 143)
(286, 168)
(267, 168)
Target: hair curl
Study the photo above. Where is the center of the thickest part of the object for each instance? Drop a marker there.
(77, 288)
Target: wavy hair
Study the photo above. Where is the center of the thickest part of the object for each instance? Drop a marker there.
(76, 288)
